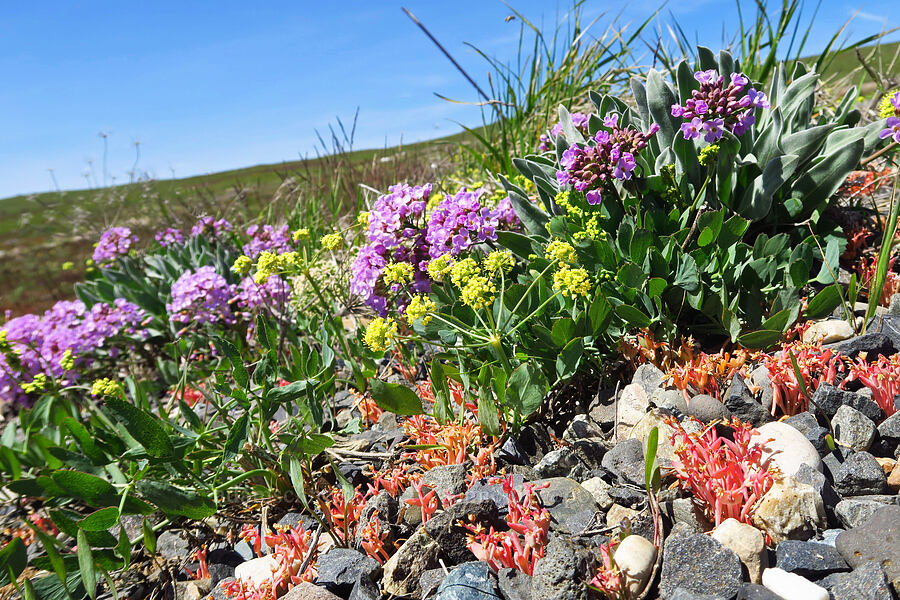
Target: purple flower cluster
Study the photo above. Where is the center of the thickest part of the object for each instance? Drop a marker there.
(394, 234)
(209, 227)
(169, 236)
(274, 293)
(506, 215)
(39, 343)
(609, 155)
(460, 221)
(716, 107)
(201, 296)
(115, 242)
(893, 122)
(579, 121)
(267, 238)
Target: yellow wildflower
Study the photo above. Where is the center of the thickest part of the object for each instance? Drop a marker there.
(561, 251)
(419, 308)
(440, 267)
(67, 361)
(332, 241)
(380, 333)
(462, 271)
(37, 384)
(104, 387)
(499, 261)
(400, 273)
(571, 282)
(478, 292)
(242, 265)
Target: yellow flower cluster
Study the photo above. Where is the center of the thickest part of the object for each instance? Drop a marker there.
(400, 273)
(67, 361)
(478, 291)
(440, 267)
(560, 251)
(269, 263)
(571, 282)
(36, 385)
(380, 333)
(462, 271)
(68, 265)
(300, 234)
(363, 219)
(332, 241)
(104, 387)
(708, 154)
(419, 308)
(566, 201)
(886, 108)
(591, 230)
(499, 261)
(242, 264)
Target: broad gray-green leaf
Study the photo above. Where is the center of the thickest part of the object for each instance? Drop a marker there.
(143, 427)
(819, 183)
(175, 501)
(395, 398)
(757, 200)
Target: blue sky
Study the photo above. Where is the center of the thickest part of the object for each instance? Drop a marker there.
(208, 86)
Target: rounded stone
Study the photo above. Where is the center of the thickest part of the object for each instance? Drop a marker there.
(786, 448)
(699, 564)
(635, 557)
(852, 429)
(788, 585)
(747, 542)
(707, 409)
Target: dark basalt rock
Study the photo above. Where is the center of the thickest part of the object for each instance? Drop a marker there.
(701, 565)
(860, 474)
(809, 559)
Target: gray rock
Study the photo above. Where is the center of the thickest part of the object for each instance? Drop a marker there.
(580, 428)
(174, 544)
(485, 490)
(365, 589)
(217, 592)
(853, 512)
(684, 510)
(809, 559)
(810, 476)
(402, 571)
(308, 591)
(707, 409)
(760, 377)
(430, 581)
(242, 549)
(807, 424)
(860, 474)
(754, 591)
(219, 572)
(829, 536)
(448, 479)
(627, 496)
(470, 581)
(340, 568)
(889, 435)
(852, 429)
(385, 509)
(864, 583)
(571, 507)
(561, 574)
(514, 584)
(557, 463)
(626, 461)
(649, 377)
(877, 540)
(700, 565)
(672, 400)
(295, 519)
(871, 343)
(444, 528)
(828, 399)
(741, 403)
(512, 452)
(687, 594)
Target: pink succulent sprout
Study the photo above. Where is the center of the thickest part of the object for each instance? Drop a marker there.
(428, 502)
(291, 548)
(523, 544)
(866, 271)
(203, 570)
(881, 376)
(817, 366)
(608, 580)
(373, 541)
(725, 477)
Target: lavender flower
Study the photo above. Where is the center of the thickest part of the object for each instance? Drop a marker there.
(609, 155)
(209, 227)
(715, 108)
(892, 130)
(169, 236)
(269, 238)
(201, 297)
(274, 293)
(579, 121)
(458, 222)
(115, 242)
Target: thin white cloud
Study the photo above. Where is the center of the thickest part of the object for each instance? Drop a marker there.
(867, 16)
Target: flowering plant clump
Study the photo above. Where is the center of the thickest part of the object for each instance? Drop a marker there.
(291, 549)
(816, 365)
(272, 294)
(716, 107)
(523, 544)
(610, 156)
(168, 237)
(266, 237)
(725, 476)
(460, 221)
(704, 372)
(881, 376)
(608, 579)
(890, 108)
(209, 227)
(201, 296)
(866, 269)
(114, 243)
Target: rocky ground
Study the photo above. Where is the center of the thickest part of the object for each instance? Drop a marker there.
(828, 528)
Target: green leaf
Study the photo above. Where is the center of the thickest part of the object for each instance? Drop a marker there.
(756, 202)
(656, 287)
(631, 275)
(238, 370)
(526, 388)
(518, 244)
(687, 275)
(632, 316)
(89, 488)
(123, 548)
(149, 537)
(568, 359)
(85, 441)
(487, 411)
(237, 436)
(314, 443)
(396, 398)
(100, 520)
(443, 410)
(143, 427)
(798, 375)
(650, 459)
(822, 304)
(563, 331)
(818, 184)
(175, 501)
(14, 556)
(761, 339)
(86, 565)
(297, 480)
(53, 557)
